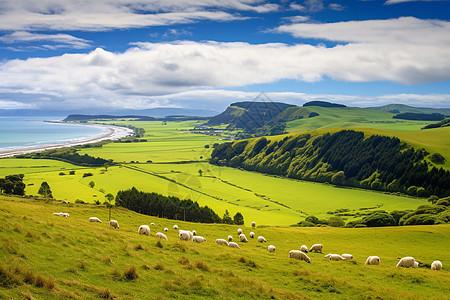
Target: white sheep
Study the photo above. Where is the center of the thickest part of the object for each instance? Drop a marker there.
(144, 229)
(58, 214)
(230, 238)
(198, 239)
(221, 242)
(185, 235)
(436, 265)
(161, 235)
(65, 215)
(251, 234)
(153, 224)
(233, 245)
(303, 248)
(114, 224)
(334, 257)
(239, 231)
(416, 265)
(175, 227)
(166, 229)
(95, 219)
(407, 262)
(194, 232)
(243, 238)
(253, 224)
(297, 254)
(261, 239)
(271, 248)
(347, 256)
(316, 248)
(373, 260)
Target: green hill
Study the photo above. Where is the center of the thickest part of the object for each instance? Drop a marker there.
(401, 108)
(50, 257)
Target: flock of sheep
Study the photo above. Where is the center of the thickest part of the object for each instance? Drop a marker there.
(186, 235)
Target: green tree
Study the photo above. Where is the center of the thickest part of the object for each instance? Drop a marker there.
(226, 218)
(338, 178)
(110, 198)
(238, 219)
(45, 190)
(336, 221)
(200, 172)
(92, 184)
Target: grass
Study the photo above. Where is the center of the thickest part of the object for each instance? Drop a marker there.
(112, 268)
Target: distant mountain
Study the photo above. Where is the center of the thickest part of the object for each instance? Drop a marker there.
(401, 108)
(323, 104)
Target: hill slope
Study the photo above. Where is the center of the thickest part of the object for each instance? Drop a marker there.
(401, 108)
(50, 257)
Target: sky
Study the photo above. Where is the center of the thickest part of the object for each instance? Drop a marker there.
(205, 54)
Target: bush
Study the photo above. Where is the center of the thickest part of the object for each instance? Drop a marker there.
(433, 199)
(336, 221)
(88, 174)
(437, 158)
(72, 173)
(423, 219)
(379, 219)
(306, 224)
(444, 201)
(312, 219)
(338, 178)
(397, 214)
(78, 201)
(62, 173)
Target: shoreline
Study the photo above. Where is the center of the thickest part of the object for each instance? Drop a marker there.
(112, 133)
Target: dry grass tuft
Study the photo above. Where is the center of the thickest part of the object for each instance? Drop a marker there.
(130, 273)
(158, 266)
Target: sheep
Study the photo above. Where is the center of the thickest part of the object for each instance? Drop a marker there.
(252, 234)
(175, 227)
(261, 239)
(299, 255)
(239, 231)
(194, 232)
(58, 214)
(114, 224)
(407, 262)
(436, 265)
(271, 248)
(161, 236)
(253, 224)
(373, 260)
(243, 238)
(65, 215)
(198, 239)
(185, 235)
(221, 242)
(153, 224)
(316, 248)
(144, 229)
(95, 219)
(166, 229)
(416, 265)
(334, 257)
(230, 238)
(303, 248)
(233, 245)
(347, 256)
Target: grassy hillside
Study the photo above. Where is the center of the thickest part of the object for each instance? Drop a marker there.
(50, 257)
(401, 108)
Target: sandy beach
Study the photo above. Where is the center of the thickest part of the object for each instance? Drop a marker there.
(112, 133)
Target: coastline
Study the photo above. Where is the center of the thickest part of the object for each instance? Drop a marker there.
(112, 133)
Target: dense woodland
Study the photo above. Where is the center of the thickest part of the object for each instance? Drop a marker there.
(343, 158)
(157, 205)
(420, 116)
(69, 155)
(12, 184)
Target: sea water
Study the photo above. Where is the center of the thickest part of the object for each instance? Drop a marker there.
(27, 132)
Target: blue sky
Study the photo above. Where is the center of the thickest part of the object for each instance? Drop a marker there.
(72, 55)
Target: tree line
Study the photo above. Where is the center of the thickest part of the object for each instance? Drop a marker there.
(170, 207)
(69, 155)
(346, 158)
(12, 184)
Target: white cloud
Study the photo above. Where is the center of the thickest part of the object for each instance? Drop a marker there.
(297, 19)
(389, 2)
(30, 15)
(61, 40)
(335, 6)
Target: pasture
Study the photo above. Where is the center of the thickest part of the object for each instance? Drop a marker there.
(50, 257)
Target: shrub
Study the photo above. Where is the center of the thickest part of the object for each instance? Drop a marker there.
(312, 219)
(72, 173)
(88, 174)
(437, 158)
(336, 221)
(62, 173)
(397, 214)
(338, 178)
(423, 219)
(78, 201)
(379, 219)
(444, 201)
(306, 224)
(433, 199)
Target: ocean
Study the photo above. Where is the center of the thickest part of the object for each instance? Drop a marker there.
(26, 132)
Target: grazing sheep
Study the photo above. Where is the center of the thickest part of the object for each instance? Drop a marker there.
(416, 265)
(58, 214)
(194, 232)
(175, 227)
(161, 236)
(243, 238)
(221, 242)
(230, 238)
(316, 248)
(436, 265)
(253, 224)
(271, 248)
(233, 245)
(328, 255)
(144, 229)
(114, 224)
(185, 235)
(406, 262)
(239, 231)
(65, 215)
(153, 224)
(252, 234)
(347, 256)
(299, 255)
(198, 239)
(303, 248)
(335, 257)
(166, 229)
(95, 219)
(373, 260)
(261, 239)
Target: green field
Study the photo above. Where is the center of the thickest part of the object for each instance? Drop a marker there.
(50, 257)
